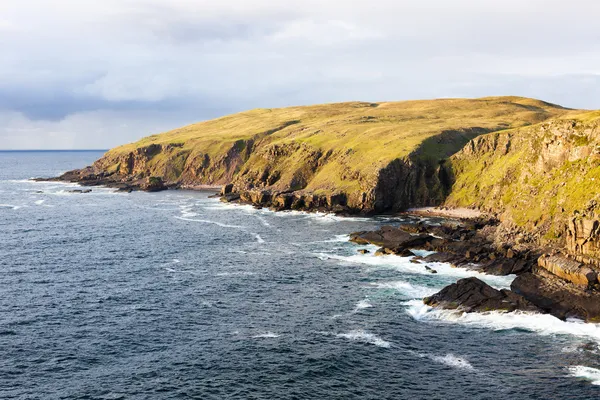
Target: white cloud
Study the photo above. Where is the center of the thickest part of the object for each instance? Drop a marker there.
(67, 64)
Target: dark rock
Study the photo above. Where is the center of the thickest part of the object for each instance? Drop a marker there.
(474, 295)
(391, 238)
(230, 197)
(363, 251)
(227, 189)
(433, 271)
(558, 297)
(569, 269)
(153, 184)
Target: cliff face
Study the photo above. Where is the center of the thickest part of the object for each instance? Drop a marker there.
(356, 157)
(542, 181)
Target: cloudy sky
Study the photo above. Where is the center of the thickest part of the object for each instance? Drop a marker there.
(95, 74)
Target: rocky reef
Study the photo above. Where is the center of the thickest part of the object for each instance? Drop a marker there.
(546, 283)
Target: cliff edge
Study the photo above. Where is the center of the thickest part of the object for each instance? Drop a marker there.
(355, 157)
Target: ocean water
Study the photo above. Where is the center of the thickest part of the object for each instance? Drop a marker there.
(173, 295)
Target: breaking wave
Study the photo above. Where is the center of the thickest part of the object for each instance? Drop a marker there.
(364, 337)
(589, 374)
(543, 324)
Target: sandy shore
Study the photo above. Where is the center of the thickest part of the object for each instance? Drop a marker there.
(446, 212)
(201, 187)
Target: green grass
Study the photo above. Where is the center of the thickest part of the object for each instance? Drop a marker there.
(551, 173)
(362, 138)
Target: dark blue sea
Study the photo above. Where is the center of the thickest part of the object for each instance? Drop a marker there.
(174, 295)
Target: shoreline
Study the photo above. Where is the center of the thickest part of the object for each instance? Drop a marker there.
(550, 283)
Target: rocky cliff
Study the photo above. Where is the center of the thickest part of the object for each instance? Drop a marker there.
(542, 182)
(353, 157)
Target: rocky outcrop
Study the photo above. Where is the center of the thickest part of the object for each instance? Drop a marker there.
(554, 284)
(583, 237)
(541, 181)
(557, 296)
(468, 244)
(348, 157)
(391, 238)
(474, 295)
(569, 270)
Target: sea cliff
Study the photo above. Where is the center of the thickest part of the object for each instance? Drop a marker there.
(531, 167)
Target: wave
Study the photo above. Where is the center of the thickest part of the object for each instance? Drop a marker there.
(543, 324)
(451, 361)
(186, 211)
(266, 335)
(231, 206)
(258, 238)
(589, 374)
(236, 273)
(423, 253)
(403, 264)
(39, 202)
(361, 305)
(365, 337)
(408, 289)
(11, 206)
(205, 221)
(263, 221)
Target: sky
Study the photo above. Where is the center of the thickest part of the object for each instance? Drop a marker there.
(89, 74)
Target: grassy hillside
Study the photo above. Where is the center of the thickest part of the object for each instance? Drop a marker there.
(324, 149)
(539, 178)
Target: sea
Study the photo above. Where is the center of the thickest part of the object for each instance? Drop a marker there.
(175, 295)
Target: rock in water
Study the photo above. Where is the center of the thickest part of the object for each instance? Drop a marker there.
(474, 295)
(558, 297)
(389, 237)
(153, 184)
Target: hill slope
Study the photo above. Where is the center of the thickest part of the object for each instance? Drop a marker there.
(543, 180)
(360, 157)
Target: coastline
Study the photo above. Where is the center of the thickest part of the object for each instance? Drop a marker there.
(546, 282)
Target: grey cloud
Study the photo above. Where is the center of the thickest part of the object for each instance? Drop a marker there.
(152, 63)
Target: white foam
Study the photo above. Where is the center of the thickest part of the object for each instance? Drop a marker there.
(543, 324)
(186, 211)
(263, 221)
(205, 221)
(452, 361)
(589, 374)
(231, 206)
(259, 239)
(361, 305)
(337, 239)
(39, 202)
(235, 273)
(364, 337)
(11, 206)
(266, 335)
(422, 253)
(176, 261)
(413, 291)
(403, 264)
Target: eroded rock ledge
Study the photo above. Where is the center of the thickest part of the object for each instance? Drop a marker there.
(547, 283)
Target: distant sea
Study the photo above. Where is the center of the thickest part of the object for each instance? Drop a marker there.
(174, 295)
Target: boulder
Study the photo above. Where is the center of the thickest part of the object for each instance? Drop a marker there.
(363, 251)
(474, 295)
